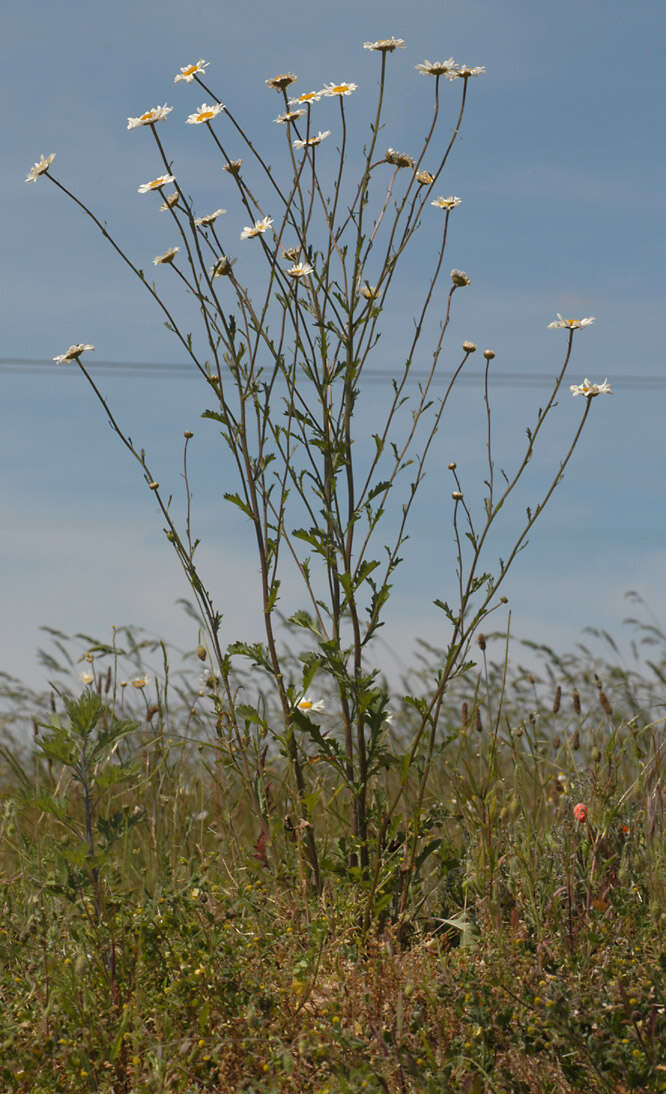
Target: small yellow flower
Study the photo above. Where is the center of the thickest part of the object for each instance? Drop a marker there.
(42, 165)
(258, 228)
(188, 72)
(205, 114)
(306, 97)
(282, 82)
(73, 353)
(167, 258)
(385, 45)
(156, 184)
(157, 114)
(329, 90)
(446, 203)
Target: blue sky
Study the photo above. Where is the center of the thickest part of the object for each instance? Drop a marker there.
(561, 168)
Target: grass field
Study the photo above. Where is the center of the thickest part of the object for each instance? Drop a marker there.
(157, 934)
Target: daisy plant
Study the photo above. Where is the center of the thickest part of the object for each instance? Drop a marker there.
(325, 475)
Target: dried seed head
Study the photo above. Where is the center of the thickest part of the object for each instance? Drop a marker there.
(575, 741)
(456, 495)
(504, 600)
(459, 278)
(464, 715)
(201, 652)
(605, 704)
(233, 167)
(478, 724)
(188, 434)
(151, 712)
(469, 347)
(597, 682)
(557, 700)
(575, 699)
(532, 719)
(556, 743)
(452, 465)
(489, 354)
(481, 641)
(153, 486)
(531, 677)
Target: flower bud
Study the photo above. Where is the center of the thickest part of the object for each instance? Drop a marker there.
(452, 465)
(456, 495)
(469, 347)
(489, 354)
(188, 434)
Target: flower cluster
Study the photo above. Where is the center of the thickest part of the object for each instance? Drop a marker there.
(449, 69)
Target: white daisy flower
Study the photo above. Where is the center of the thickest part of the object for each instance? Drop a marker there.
(258, 228)
(370, 292)
(436, 68)
(86, 678)
(459, 278)
(589, 389)
(386, 45)
(290, 116)
(281, 83)
(140, 682)
(157, 114)
(42, 165)
(171, 200)
(306, 97)
(446, 203)
(203, 222)
(188, 72)
(300, 269)
(73, 353)
(167, 257)
(398, 159)
(570, 324)
(329, 90)
(205, 114)
(465, 71)
(313, 140)
(310, 706)
(155, 184)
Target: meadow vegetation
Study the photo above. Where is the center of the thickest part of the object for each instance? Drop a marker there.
(159, 935)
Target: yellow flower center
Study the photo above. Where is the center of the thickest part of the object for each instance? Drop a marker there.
(305, 704)
(190, 70)
(206, 115)
(146, 117)
(339, 89)
(307, 97)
